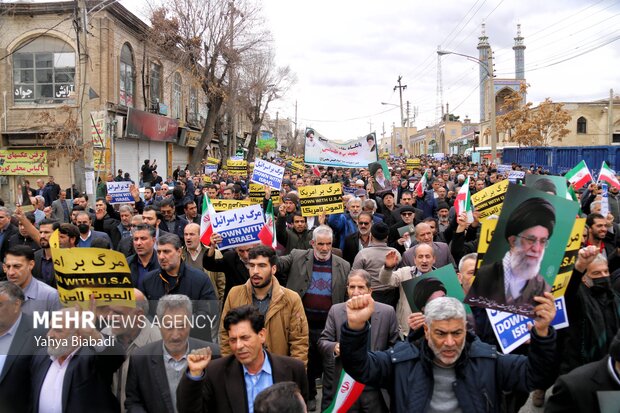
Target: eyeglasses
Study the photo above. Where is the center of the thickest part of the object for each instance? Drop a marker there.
(363, 223)
(406, 213)
(530, 241)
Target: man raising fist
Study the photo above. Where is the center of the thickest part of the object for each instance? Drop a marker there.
(444, 367)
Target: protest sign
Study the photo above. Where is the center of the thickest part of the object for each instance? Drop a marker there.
(298, 167)
(210, 169)
(604, 199)
(257, 194)
(534, 228)
(321, 199)
(548, 183)
(237, 167)
(268, 174)
(82, 272)
(239, 226)
(120, 192)
(516, 177)
(349, 190)
(413, 163)
(417, 290)
(214, 161)
(356, 153)
(512, 330)
(228, 204)
(489, 201)
(475, 157)
(503, 169)
(487, 228)
(23, 162)
(570, 257)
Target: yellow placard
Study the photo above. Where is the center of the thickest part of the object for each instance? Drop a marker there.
(228, 204)
(213, 161)
(298, 167)
(413, 163)
(23, 162)
(257, 194)
(321, 199)
(237, 167)
(489, 201)
(84, 272)
(570, 257)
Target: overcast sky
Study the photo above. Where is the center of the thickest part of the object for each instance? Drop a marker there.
(347, 55)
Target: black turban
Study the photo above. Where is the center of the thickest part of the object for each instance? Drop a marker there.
(545, 185)
(424, 289)
(530, 213)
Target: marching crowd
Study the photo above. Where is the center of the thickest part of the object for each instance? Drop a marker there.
(328, 299)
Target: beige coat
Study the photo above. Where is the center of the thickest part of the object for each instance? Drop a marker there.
(285, 321)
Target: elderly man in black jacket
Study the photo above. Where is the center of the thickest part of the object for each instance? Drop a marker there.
(449, 369)
(175, 277)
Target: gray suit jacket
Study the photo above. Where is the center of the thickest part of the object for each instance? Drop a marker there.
(58, 213)
(442, 256)
(384, 333)
(297, 273)
(147, 387)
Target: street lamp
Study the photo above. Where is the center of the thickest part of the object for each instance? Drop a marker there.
(488, 67)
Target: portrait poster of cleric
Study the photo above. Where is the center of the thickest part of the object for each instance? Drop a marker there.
(525, 251)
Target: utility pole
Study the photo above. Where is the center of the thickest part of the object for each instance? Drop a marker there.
(84, 170)
(400, 92)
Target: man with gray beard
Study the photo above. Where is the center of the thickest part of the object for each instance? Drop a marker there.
(515, 281)
(73, 353)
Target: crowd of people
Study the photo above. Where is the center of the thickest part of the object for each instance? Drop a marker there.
(328, 299)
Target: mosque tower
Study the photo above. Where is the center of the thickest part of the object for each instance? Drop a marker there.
(484, 48)
(519, 49)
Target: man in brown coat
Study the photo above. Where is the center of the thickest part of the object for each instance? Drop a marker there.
(285, 318)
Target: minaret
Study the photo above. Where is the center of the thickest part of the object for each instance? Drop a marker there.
(484, 49)
(519, 49)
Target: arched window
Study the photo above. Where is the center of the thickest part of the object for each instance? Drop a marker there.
(44, 72)
(155, 80)
(177, 107)
(127, 77)
(582, 125)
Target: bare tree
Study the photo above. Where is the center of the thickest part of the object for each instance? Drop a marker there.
(209, 37)
(261, 83)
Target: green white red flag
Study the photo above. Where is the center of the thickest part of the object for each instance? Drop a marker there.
(348, 391)
(579, 175)
(267, 234)
(463, 202)
(208, 213)
(421, 186)
(608, 175)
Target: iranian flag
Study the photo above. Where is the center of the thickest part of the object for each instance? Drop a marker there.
(608, 175)
(315, 170)
(348, 392)
(463, 202)
(421, 186)
(579, 175)
(208, 213)
(267, 235)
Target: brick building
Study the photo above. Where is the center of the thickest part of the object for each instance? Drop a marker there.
(130, 99)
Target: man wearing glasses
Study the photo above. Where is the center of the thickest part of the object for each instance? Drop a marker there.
(516, 280)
